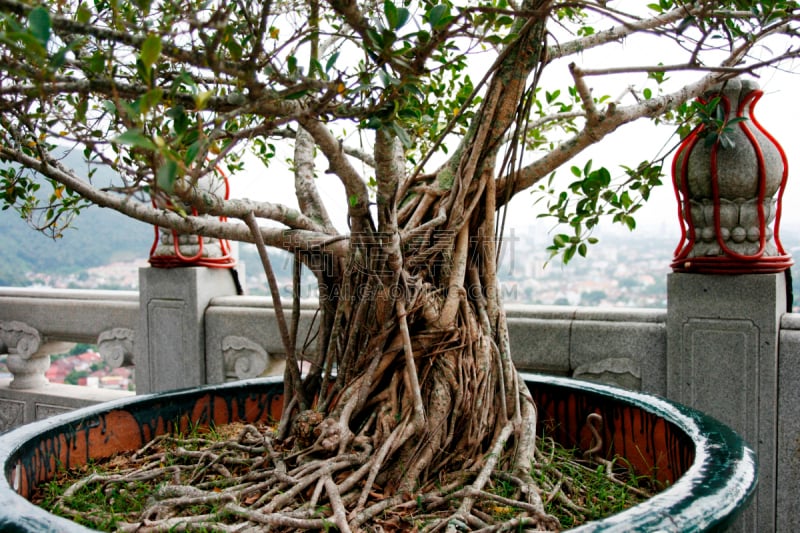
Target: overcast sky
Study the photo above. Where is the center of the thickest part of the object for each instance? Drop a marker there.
(778, 111)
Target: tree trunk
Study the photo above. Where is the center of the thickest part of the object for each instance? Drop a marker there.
(418, 360)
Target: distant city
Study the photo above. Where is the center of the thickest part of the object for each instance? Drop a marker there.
(623, 270)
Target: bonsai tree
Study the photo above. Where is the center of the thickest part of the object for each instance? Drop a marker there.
(432, 115)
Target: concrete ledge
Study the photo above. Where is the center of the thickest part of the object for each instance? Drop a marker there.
(563, 340)
(70, 315)
(19, 407)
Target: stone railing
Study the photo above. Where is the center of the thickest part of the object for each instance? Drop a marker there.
(187, 327)
(35, 323)
(625, 347)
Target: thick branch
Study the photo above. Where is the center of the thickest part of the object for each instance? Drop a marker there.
(289, 240)
(356, 189)
(389, 173)
(606, 123)
(304, 182)
(618, 33)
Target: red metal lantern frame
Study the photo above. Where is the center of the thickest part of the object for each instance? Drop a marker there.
(178, 259)
(730, 262)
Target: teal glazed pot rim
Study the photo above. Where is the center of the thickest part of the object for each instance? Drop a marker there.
(717, 484)
(709, 496)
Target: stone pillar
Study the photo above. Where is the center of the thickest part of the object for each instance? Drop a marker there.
(787, 512)
(170, 349)
(722, 358)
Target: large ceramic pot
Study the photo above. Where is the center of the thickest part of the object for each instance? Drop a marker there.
(710, 471)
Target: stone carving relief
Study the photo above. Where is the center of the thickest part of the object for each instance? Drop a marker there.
(116, 346)
(18, 338)
(243, 358)
(26, 361)
(44, 410)
(12, 414)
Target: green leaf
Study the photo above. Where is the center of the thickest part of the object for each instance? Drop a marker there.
(59, 58)
(402, 17)
(180, 120)
(135, 137)
(167, 175)
(402, 135)
(373, 123)
(202, 98)
(331, 61)
(151, 50)
(151, 99)
(192, 151)
(396, 17)
(96, 62)
(390, 12)
(296, 95)
(684, 25)
(40, 24)
(83, 14)
(569, 253)
(234, 48)
(438, 16)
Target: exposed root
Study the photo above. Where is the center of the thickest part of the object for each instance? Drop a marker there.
(246, 483)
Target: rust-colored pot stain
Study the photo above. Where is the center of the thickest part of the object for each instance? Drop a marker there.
(102, 433)
(710, 472)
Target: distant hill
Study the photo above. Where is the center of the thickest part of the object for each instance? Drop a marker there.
(98, 236)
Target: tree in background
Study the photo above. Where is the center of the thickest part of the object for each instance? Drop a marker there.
(432, 116)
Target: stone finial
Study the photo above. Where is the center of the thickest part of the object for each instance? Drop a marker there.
(243, 358)
(116, 346)
(173, 249)
(729, 181)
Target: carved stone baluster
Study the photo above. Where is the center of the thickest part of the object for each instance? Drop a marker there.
(26, 361)
(116, 346)
(243, 358)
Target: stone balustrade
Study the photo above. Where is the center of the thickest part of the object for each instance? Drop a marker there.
(35, 323)
(188, 327)
(625, 347)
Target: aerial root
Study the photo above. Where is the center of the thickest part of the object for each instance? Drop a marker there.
(246, 484)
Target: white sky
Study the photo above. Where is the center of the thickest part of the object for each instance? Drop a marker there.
(777, 111)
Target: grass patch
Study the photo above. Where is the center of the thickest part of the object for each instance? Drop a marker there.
(579, 490)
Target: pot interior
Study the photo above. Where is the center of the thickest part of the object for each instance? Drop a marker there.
(652, 446)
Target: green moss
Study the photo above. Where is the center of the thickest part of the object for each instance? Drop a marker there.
(445, 179)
